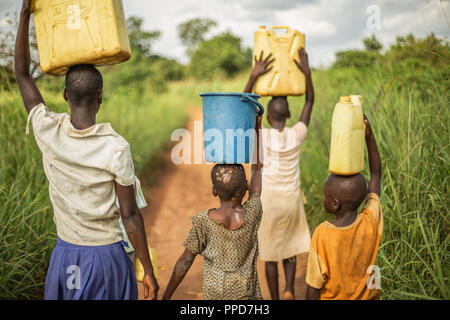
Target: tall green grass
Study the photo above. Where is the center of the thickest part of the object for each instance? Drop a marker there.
(27, 231)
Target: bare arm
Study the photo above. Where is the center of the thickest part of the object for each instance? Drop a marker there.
(134, 226)
(303, 65)
(182, 266)
(374, 160)
(312, 293)
(30, 93)
(256, 178)
(261, 67)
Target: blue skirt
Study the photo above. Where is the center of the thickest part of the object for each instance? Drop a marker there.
(90, 273)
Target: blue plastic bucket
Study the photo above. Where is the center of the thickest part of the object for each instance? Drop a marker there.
(228, 126)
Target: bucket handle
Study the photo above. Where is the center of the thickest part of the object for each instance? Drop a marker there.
(248, 98)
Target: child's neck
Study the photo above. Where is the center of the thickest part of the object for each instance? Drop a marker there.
(345, 218)
(82, 118)
(229, 204)
(279, 125)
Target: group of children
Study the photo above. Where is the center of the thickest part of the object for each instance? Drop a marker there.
(89, 166)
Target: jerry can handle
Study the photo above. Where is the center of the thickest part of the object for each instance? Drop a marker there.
(248, 98)
(281, 27)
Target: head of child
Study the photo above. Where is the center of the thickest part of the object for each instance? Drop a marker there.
(229, 182)
(344, 193)
(278, 112)
(84, 88)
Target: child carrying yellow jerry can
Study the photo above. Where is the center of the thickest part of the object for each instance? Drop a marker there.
(71, 32)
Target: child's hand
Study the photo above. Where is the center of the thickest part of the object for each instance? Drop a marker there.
(368, 127)
(150, 287)
(26, 6)
(262, 66)
(303, 65)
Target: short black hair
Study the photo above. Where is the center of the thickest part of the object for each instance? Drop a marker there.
(83, 81)
(278, 108)
(349, 190)
(229, 180)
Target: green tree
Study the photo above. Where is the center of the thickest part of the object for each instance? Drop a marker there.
(354, 58)
(193, 31)
(372, 44)
(220, 56)
(140, 39)
(434, 50)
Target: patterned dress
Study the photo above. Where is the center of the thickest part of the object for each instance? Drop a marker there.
(229, 270)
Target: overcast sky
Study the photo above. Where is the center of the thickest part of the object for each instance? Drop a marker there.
(330, 25)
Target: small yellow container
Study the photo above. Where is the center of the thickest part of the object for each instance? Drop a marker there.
(71, 32)
(347, 137)
(139, 269)
(285, 79)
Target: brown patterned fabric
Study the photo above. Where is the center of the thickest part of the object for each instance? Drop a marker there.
(229, 270)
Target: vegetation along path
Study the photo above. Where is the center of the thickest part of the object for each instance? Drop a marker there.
(181, 191)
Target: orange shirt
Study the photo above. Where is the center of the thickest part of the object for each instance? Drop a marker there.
(341, 259)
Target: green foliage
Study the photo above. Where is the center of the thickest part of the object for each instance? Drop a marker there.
(138, 70)
(434, 50)
(355, 59)
(372, 44)
(169, 69)
(222, 56)
(140, 39)
(192, 32)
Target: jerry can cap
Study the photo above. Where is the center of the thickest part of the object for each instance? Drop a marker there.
(345, 99)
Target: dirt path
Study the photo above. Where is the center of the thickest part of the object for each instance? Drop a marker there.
(181, 191)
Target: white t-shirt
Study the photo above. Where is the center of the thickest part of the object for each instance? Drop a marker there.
(81, 167)
(281, 157)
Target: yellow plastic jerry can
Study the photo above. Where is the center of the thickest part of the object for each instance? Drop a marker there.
(139, 269)
(347, 137)
(285, 79)
(71, 32)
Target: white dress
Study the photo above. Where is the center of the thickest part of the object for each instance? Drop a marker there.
(284, 231)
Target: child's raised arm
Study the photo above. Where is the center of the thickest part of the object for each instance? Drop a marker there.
(256, 178)
(374, 160)
(182, 266)
(303, 65)
(261, 67)
(30, 93)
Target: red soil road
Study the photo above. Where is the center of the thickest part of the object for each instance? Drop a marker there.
(181, 191)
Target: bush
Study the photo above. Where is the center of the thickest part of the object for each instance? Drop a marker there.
(356, 59)
(221, 56)
(168, 69)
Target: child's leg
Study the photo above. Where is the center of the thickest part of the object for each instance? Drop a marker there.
(289, 274)
(272, 279)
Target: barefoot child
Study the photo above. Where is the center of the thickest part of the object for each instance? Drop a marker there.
(226, 237)
(284, 231)
(343, 253)
(87, 166)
